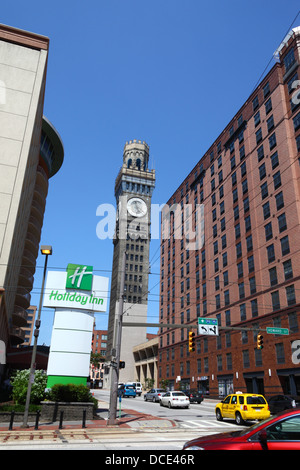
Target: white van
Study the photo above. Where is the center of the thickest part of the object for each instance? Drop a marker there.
(138, 387)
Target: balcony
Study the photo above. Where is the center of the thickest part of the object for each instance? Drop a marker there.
(23, 298)
(19, 316)
(17, 336)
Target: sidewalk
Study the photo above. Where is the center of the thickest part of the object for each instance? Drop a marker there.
(129, 421)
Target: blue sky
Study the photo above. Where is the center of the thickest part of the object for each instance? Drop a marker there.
(170, 72)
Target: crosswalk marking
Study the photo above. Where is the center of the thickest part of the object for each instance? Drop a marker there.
(206, 424)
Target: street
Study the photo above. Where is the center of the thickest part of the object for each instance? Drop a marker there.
(198, 420)
(198, 417)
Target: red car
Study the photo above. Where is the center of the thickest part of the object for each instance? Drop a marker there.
(280, 432)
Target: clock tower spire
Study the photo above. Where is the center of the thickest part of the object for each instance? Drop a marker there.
(133, 191)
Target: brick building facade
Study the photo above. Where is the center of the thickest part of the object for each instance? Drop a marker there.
(246, 270)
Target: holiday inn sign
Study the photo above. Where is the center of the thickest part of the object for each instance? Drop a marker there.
(77, 288)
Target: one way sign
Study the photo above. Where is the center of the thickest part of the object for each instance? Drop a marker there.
(208, 326)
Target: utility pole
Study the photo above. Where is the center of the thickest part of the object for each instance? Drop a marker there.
(115, 364)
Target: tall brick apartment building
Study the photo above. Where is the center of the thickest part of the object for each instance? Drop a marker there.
(247, 271)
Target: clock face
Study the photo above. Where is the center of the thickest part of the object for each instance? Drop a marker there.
(136, 207)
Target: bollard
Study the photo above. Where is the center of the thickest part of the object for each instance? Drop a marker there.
(12, 415)
(83, 419)
(61, 420)
(37, 420)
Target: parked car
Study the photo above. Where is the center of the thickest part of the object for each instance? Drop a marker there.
(282, 402)
(243, 407)
(280, 432)
(194, 395)
(154, 394)
(175, 399)
(126, 391)
(138, 387)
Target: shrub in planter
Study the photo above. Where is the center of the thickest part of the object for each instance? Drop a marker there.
(20, 384)
(71, 393)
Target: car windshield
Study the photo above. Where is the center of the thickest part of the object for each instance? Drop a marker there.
(256, 400)
(254, 426)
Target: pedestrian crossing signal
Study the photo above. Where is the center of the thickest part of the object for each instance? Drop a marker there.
(191, 341)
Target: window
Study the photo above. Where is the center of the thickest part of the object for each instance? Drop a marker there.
(243, 312)
(285, 247)
(270, 123)
(260, 153)
(266, 210)
(279, 200)
(270, 253)
(254, 308)
(296, 121)
(239, 250)
(249, 243)
(245, 186)
(252, 285)
(287, 269)
(243, 169)
(246, 204)
(241, 290)
(275, 300)
(255, 103)
(268, 105)
(266, 89)
(258, 136)
(257, 118)
(282, 222)
(290, 295)
(240, 269)
(236, 212)
(280, 353)
(247, 223)
(251, 264)
(277, 180)
(264, 190)
(235, 195)
(274, 160)
(272, 141)
(273, 276)
(268, 231)
(289, 59)
(262, 171)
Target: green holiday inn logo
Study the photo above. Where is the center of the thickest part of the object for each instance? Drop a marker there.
(79, 276)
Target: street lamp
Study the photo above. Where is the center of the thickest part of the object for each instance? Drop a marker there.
(46, 250)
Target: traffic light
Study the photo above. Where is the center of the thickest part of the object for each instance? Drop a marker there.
(260, 341)
(122, 365)
(191, 341)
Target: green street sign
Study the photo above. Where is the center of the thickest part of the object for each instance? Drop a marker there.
(277, 331)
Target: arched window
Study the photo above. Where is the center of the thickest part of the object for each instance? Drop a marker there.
(138, 163)
(129, 163)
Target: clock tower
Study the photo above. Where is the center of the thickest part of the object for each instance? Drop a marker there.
(133, 191)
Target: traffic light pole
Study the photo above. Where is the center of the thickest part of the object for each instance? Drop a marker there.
(115, 364)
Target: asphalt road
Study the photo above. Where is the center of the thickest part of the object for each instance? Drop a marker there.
(198, 417)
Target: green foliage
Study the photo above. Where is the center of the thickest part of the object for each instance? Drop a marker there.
(71, 393)
(20, 384)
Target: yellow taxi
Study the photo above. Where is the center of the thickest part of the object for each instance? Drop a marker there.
(242, 407)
